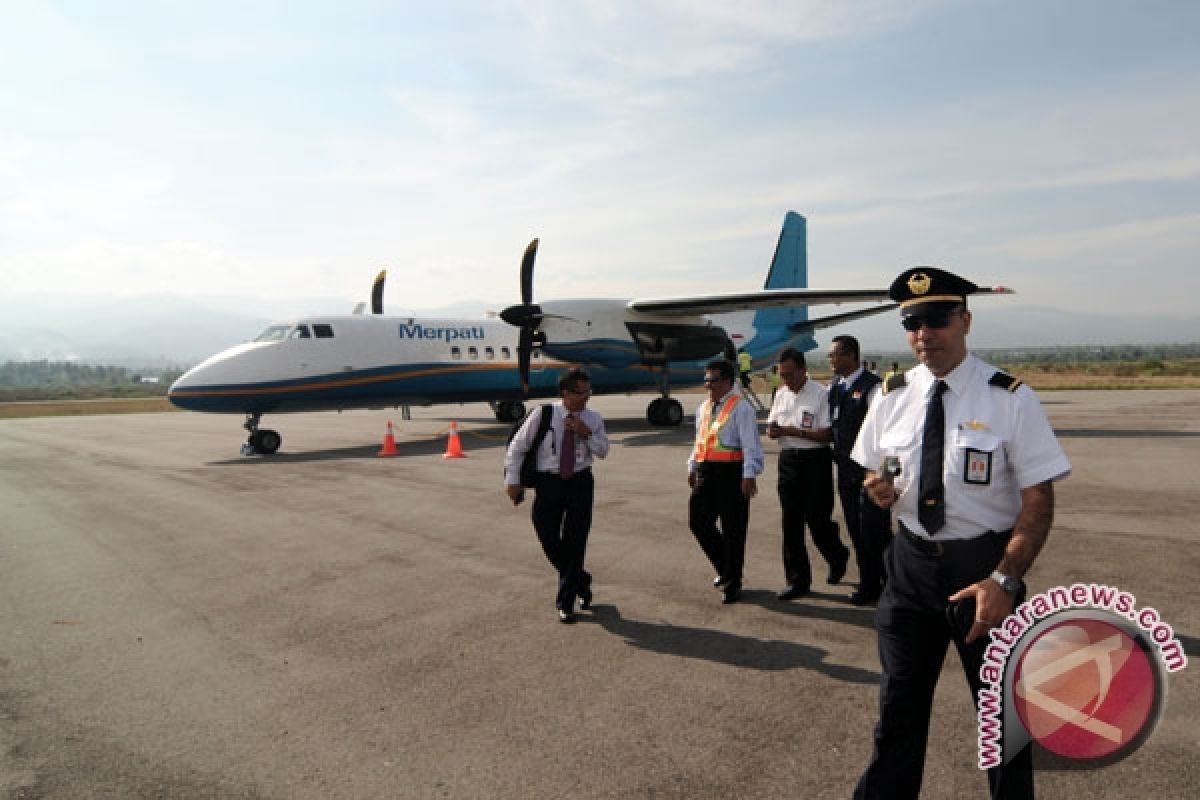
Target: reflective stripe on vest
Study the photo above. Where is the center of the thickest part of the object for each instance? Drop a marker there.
(708, 435)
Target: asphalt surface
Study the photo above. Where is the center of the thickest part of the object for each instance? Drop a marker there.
(181, 621)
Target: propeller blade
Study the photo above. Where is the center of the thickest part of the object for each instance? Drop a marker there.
(527, 272)
(377, 292)
(524, 354)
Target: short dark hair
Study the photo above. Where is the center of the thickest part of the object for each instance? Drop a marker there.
(721, 367)
(849, 343)
(571, 378)
(795, 356)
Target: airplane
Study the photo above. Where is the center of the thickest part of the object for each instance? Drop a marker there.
(375, 361)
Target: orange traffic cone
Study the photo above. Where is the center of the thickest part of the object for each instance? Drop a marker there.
(454, 446)
(389, 443)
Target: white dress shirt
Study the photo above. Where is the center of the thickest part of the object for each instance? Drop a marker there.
(595, 445)
(807, 409)
(996, 444)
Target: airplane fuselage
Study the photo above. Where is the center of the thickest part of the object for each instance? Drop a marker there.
(357, 361)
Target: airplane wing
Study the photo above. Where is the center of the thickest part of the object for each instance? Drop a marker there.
(771, 298)
(838, 319)
(748, 301)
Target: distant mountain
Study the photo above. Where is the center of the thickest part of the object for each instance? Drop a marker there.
(999, 325)
(167, 331)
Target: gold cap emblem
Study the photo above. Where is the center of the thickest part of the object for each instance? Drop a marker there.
(919, 283)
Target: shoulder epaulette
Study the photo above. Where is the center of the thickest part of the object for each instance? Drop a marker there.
(1002, 380)
(897, 381)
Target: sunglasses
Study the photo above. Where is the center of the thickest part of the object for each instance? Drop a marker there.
(937, 318)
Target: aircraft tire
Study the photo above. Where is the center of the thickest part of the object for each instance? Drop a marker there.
(510, 411)
(672, 412)
(654, 412)
(266, 441)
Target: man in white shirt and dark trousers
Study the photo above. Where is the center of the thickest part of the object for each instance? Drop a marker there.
(965, 458)
(723, 471)
(799, 421)
(562, 508)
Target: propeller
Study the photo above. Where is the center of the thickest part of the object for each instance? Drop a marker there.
(527, 316)
(377, 292)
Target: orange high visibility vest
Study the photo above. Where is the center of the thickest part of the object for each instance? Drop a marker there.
(708, 435)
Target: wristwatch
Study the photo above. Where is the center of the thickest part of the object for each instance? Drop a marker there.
(1010, 585)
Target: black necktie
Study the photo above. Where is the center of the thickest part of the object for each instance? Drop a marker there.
(932, 509)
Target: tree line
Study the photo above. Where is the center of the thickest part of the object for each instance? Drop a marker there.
(57, 380)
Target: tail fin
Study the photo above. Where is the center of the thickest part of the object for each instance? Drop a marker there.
(789, 270)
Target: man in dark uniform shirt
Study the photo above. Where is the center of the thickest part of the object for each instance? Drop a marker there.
(851, 393)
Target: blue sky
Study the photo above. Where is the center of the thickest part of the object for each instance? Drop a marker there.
(291, 149)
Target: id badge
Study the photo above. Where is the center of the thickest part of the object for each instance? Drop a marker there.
(806, 419)
(978, 469)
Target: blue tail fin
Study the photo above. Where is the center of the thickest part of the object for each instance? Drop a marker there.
(789, 270)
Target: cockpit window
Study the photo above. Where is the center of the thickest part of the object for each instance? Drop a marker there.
(274, 333)
(300, 332)
(322, 331)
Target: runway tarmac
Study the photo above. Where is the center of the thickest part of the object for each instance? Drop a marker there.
(180, 621)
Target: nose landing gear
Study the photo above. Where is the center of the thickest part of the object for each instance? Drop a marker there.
(261, 441)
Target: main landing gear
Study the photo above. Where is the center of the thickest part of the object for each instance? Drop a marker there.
(261, 441)
(665, 411)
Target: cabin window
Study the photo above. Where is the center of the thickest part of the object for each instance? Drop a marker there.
(274, 333)
(322, 331)
(489, 353)
(473, 353)
(456, 353)
(301, 332)
(505, 353)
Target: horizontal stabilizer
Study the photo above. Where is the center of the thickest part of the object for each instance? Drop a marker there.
(810, 325)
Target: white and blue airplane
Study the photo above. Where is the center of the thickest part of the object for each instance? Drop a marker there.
(375, 361)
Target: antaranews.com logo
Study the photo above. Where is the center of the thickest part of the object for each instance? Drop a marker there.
(1080, 670)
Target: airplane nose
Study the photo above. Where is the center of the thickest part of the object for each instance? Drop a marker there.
(178, 392)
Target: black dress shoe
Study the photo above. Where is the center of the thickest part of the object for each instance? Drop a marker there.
(585, 599)
(837, 572)
(861, 598)
(732, 594)
(565, 617)
(791, 593)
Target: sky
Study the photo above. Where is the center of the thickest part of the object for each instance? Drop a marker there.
(285, 150)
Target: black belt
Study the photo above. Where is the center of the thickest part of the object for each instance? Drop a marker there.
(927, 546)
(555, 474)
(936, 548)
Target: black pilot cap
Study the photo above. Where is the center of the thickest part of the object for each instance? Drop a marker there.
(922, 289)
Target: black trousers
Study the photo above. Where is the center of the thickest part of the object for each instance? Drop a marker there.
(717, 496)
(562, 517)
(914, 635)
(869, 526)
(806, 498)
